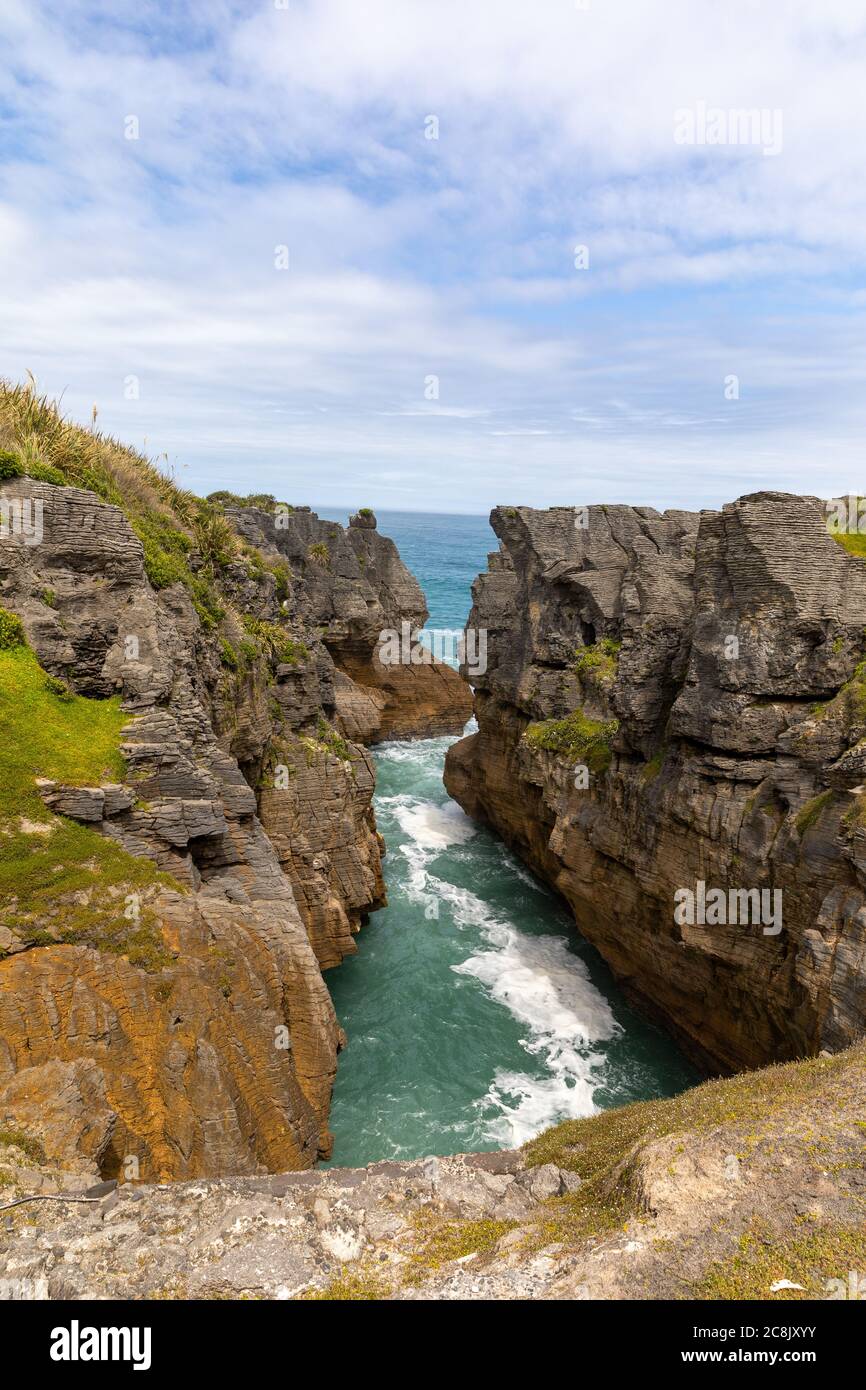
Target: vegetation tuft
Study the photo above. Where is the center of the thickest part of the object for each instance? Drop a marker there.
(275, 642)
(575, 739)
(598, 662)
(59, 880)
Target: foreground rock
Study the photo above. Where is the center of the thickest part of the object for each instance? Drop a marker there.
(724, 1192)
(674, 700)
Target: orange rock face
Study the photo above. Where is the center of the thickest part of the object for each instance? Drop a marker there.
(220, 1063)
(424, 701)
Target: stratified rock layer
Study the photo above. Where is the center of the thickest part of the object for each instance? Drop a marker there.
(211, 1048)
(353, 586)
(726, 647)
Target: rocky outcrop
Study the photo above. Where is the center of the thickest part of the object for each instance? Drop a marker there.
(675, 700)
(171, 1019)
(352, 586)
(216, 1051)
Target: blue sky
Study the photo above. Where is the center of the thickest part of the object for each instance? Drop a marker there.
(140, 274)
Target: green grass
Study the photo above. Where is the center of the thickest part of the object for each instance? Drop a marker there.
(74, 741)
(275, 642)
(598, 662)
(438, 1243)
(18, 1139)
(166, 550)
(334, 742)
(809, 1257)
(168, 521)
(852, 541)
(350, 1286)
(228, 655)
(652, 769)
(43, 857)
(11, 631)
(575, 739)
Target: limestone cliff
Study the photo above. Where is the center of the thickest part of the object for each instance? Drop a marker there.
(674, 699)
(187, 835)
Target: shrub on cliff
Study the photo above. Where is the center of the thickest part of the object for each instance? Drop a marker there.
(216, 541)
(264, 501)
(276, 642)
(598, 661)
(319, 554)
(575, 739)
(10, 465)
(11, 631)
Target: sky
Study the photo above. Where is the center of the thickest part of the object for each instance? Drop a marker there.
(441, 255)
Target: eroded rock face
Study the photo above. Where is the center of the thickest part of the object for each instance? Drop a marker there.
(198, 1039)
(738, 764)
(352, 585)
(186, 1051)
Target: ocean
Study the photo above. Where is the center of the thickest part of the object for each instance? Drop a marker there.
(476, 1014)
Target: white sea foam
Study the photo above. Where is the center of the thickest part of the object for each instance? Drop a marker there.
(548, 989)
(542, 983)
(432, 827)
(525, 1105)
(429, 751)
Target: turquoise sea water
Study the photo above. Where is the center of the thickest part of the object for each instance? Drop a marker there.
(476, 1014)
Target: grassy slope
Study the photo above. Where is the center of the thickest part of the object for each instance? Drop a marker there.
(45, 859)
(36, 441)
(803, 1101)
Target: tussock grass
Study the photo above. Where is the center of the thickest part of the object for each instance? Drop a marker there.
(169, 522)
(276, 642)
(186, 539)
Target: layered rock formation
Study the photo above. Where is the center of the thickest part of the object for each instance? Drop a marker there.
(353, 586)
(171, 1020)
(722, 1192)
(673, 700)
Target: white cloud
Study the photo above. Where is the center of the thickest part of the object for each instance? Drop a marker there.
(409, 257)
